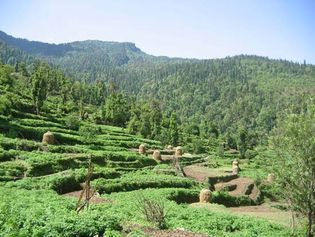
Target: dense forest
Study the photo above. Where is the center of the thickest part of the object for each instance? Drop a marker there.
(118, 84)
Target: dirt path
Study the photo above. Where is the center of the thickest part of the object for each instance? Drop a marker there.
(201, 173)
(195, 172)
(259, 208)
(264, 211)
(242, 184)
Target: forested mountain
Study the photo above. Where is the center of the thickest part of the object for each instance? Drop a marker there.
(229, 96)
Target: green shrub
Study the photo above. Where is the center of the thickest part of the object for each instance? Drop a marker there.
(5, 105)
(184, 196)
(12, 170)
(250, 154)
(88, 133)
(7, 155)
(271, 191)
(198, 147)
(72, 122)
(224, 198)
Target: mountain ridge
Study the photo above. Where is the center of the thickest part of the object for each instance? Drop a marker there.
(12, 41)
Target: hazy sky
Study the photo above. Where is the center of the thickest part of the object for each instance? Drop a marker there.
(182, 28)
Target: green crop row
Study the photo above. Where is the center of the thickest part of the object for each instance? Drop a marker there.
(128, 137)
(17, 144)
(139, 180)
(25, 115)
(32, 133)
(63, 182)
(7, 155)
(11, 170)
(39, 123)
(40, 163)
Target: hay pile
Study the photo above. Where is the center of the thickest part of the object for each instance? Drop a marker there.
(142, 149)
(205, 196)
(235, 167)
(178, 151)
(169, 147)
(157, 155)
(48, 138)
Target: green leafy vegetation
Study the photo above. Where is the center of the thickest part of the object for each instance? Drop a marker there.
(295, 169)
(104, 99)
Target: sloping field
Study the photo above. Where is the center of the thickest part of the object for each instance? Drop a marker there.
(42, 184)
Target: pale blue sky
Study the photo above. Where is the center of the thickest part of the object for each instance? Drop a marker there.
(178, 28)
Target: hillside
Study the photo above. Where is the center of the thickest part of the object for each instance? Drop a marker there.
(43, 175)
(72, 161)
(240, 91)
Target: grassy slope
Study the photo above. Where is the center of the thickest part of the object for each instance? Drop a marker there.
(120, 175)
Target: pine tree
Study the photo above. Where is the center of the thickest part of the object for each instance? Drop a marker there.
(155, 119)
(39, 86)
(173, 130)
(242, 141)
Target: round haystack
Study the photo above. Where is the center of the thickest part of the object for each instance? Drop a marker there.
(169, 147)
(142, 149)
(235, 167)
(270, 178)
(235, 170)
(48, 138)
(178, 151)
(235, 163)
(157, 155)
(205, 196)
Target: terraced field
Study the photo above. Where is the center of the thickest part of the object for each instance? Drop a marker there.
(41, 184)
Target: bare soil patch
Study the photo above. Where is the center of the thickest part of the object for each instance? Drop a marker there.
(241, 184)
(201, 173)
(94, 199)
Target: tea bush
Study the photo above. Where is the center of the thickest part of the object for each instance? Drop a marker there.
(137, 180)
